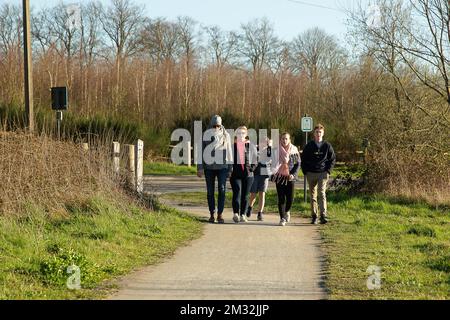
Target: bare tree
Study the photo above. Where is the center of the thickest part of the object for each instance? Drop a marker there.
(258, 42)
(10, 28)
(123, 23)
(416, 35)
(315, 51)
(188, 38)
(10, 52)
(223, 49)
(161, 40)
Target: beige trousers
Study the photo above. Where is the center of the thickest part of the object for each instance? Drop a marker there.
(318, 182)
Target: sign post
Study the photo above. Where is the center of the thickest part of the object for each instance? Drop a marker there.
(307, 126)
(60, 102)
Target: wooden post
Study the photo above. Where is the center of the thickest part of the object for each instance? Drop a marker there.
(139, 158)
(129, 156)
(116, 157)
(85, 146)
(28, 71)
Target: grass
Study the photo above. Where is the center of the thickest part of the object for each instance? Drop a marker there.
(99, 236)
(165, 168)
(408, 240)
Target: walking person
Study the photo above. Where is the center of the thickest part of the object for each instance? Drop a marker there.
(244, 163)
(284, 175)
(261, 178)
(216, 165)
(318, 159)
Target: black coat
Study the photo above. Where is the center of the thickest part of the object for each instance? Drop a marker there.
(316, 159)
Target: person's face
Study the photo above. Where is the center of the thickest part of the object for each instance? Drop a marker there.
(241, 134)
(216, 127)
(318, 135)
(285, 140)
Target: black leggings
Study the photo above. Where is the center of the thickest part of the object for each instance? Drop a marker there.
(285, 197)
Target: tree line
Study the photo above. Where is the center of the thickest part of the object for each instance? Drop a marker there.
(388, 84)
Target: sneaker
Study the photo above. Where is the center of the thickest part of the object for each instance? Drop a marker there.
(323, 220)
(249, 212)
(260, 216)
(288, 216)
(283, 222)
(314, 220)
(243, 218)
(236, 218)
(220, 219)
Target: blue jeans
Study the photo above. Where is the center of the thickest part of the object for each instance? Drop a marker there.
(210, 177)
(241, 190)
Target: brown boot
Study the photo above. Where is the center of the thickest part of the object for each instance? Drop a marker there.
(220, 218)
(211, 218)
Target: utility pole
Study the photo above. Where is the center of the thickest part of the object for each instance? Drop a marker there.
(28, 72)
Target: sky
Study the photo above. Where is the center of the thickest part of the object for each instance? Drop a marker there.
(289, 17)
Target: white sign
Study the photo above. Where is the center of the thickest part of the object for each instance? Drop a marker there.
(307, 124)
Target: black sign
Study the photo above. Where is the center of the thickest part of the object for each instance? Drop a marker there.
(60, 99)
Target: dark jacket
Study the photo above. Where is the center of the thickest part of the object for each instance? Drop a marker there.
(316, 159)
(251, 155)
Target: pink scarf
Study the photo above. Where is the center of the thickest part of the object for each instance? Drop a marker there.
(281, 171)
(241, 152)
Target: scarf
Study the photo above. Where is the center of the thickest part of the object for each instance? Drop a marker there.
(241, 153)
(281, 171)
(221, 141)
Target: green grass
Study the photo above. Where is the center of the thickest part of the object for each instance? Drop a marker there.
(165, 168)
(98, 236)
(408, 240)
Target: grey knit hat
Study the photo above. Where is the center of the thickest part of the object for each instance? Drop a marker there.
(215, 120)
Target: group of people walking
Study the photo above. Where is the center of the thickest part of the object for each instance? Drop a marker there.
(250, 168)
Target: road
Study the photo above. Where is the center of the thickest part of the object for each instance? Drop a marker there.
(167, 184)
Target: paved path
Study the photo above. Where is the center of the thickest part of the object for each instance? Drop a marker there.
(234, 261)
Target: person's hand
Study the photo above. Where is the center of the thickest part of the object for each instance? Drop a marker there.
(269, 143)
(199, 173)
(291, 177)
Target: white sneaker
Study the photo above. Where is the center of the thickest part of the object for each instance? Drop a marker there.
(243, 218)
(282, 222)
(236, 218)
(288, 216)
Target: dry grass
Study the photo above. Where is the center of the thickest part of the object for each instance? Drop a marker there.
(412, 175)
(50, 174)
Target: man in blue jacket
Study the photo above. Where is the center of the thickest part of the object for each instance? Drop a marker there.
(317, 161)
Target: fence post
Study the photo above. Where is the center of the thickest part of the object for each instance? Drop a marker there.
(130, 159)
(139, 158)
(116, 157)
